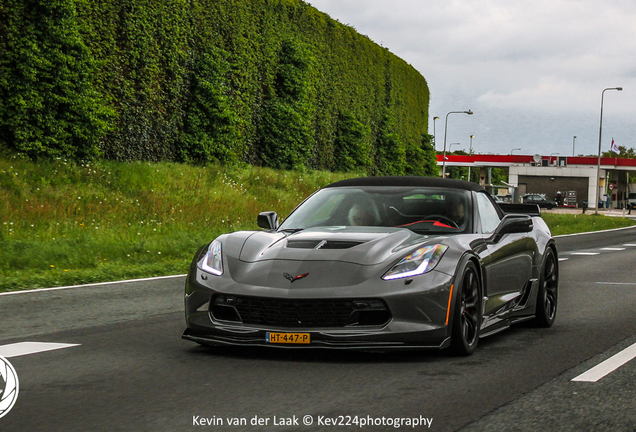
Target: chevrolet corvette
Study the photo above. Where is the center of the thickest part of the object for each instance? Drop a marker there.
(377, 263)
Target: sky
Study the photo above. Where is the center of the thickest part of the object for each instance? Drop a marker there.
(532, 71)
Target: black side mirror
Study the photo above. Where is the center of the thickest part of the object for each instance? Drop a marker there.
(267, 220)
(512, 224)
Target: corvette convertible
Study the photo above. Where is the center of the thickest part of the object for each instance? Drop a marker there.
(377, 263)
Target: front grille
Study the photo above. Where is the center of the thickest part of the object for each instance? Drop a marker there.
(300, 313)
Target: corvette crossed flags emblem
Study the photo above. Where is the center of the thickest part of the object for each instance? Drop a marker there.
(293, 279)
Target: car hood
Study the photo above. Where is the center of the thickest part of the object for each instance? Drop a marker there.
(357, 245)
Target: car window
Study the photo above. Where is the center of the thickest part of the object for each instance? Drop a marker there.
(487, 213)
(420, 209)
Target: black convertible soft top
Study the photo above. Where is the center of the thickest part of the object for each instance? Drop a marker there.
(408, 181)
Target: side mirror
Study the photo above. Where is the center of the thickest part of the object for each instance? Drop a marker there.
(512, 224)
(267, 220)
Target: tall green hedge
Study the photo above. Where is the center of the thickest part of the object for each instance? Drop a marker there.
(267, 82)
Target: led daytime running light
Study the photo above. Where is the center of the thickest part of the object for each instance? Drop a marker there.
(212, 262)
(419, 262)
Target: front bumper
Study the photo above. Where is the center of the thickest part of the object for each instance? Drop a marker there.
(418, 317)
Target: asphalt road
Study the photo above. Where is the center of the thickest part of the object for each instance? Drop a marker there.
(130, 370)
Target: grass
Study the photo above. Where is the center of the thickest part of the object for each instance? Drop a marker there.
(577, 223)
(63, 223)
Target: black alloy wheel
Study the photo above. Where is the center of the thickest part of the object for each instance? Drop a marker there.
(467, 316)
(548, 290)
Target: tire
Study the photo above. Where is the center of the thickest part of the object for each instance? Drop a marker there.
(467, 312)
(547, 296)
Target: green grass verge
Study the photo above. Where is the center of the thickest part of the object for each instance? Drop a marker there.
(561, 224)
(63, 223)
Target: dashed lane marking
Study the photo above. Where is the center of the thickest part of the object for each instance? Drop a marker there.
(563, 259)
(585, 253)
(613, 249)
(25, 348)
(608, 366)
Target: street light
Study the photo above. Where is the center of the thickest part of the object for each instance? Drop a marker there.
(469, 112)
(450, 147)
(470, 153)
(573, 141)
(514, 150)
(434, 136)
(600, 134)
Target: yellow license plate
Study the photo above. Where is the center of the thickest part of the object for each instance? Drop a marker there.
(290, 338)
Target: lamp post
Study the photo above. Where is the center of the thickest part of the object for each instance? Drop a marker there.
(470, 153)
(511, 151)
(450, 149)
(469, 112)
(573, 142)
(600, 134)
(434, 136)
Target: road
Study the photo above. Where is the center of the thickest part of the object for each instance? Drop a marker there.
(127, 369)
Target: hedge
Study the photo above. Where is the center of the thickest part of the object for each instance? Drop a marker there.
(265, 82)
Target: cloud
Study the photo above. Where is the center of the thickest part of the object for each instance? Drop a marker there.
(548, 56)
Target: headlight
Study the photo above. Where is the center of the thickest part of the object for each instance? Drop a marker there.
(419, 262)
(212, 262)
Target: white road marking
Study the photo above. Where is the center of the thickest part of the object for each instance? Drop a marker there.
(616, 283)
(585, 253)
(608, 366)
(630, 244)
(90, 285)
(595, 232)
(25, 348)
(612, 249)
(563, 259)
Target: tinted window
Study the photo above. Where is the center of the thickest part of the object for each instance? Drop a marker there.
(487, 213)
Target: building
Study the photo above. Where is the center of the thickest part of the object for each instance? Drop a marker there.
(551, 174)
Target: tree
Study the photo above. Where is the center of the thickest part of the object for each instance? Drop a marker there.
(624, 153)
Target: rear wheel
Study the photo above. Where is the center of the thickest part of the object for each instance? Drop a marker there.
(467, 316)
(548, 290)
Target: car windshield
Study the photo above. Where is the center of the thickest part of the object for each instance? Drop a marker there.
(420, 209)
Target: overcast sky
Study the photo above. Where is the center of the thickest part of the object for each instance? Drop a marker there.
(532, 71)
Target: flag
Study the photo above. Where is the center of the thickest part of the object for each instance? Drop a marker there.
(615, 147)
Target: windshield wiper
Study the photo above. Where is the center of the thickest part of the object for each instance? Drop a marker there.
(292, 230)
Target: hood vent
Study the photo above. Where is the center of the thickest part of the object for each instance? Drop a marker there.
(322, 244)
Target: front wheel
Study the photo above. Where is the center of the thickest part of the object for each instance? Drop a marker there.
(467, 316)
(548, 290)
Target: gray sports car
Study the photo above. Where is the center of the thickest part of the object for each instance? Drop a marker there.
(377, 263)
